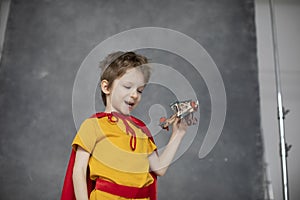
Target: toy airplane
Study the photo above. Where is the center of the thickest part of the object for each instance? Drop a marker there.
(182, 109)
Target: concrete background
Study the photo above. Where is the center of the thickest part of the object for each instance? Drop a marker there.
(46, 41)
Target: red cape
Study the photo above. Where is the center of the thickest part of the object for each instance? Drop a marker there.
(68, 188)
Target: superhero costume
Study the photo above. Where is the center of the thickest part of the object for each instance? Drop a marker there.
(108, 185)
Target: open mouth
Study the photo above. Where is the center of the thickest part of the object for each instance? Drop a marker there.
(130, 104)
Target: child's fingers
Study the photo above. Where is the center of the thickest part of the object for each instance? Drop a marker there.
(175, 123)
(183, 123)
(180, 123)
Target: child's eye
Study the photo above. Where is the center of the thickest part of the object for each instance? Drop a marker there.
(127, 87)
(140, 91)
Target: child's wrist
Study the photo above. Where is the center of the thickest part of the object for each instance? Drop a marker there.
(178, 134)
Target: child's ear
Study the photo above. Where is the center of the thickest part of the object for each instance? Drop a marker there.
(104, 87)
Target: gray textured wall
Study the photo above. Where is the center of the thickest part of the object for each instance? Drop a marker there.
(46, 41)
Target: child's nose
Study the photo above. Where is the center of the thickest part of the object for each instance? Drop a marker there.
(134, 94)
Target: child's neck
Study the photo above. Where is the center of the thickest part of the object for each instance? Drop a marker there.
(114, 111)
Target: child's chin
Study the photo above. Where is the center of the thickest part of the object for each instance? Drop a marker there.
(126, 112)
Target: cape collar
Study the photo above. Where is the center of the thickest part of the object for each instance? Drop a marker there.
(114, 117)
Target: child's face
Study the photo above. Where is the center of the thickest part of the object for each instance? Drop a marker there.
(126, 91)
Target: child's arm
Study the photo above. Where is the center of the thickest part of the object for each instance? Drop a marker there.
(79, 174)
(160, 164)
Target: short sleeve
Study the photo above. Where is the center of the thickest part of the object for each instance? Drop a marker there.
(151, 146)
(87, 135)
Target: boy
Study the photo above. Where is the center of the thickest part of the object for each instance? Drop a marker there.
(117, 147)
